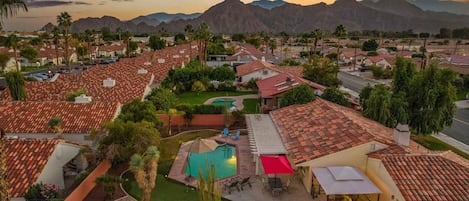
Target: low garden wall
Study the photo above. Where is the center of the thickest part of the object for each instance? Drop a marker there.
(88, 184)
(198, 120)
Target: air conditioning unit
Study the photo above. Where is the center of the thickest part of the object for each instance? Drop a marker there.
(109, 82)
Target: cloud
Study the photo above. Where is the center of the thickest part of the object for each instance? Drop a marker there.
(50, 3)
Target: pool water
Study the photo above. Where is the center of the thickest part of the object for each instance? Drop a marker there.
(225, 102)
(223, 158)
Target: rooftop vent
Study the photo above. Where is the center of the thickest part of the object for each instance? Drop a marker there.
(83, 99)
(147, 63)
(109, 82)
(176, 56)
(161, 61)
(142, 71)
(181, 52)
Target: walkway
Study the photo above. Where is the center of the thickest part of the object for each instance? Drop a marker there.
(238, 100)
(245, 165)
(463, 104)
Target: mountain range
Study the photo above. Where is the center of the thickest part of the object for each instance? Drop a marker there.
(233, 16)
(268, 4)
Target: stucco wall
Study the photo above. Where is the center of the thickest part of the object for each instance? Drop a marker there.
(380, 176)
(258, 74)
(88, 184)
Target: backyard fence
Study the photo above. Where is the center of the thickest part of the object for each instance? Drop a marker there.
(88, 184)
(198, 120)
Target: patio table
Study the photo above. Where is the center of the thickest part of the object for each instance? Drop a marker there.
(275, 185)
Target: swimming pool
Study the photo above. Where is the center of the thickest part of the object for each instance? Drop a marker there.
(228, 102)
(223, 157)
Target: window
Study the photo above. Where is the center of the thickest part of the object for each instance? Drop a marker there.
(265, 72)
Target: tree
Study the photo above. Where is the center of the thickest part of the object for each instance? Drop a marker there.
(198, 87)
(156, 43)
(12, 42)
(82, 51)
(16, 85)
(322, 71)
(339, 32)
(299, 95)
(203, 36)
(189, 32)
(109, 184)
(180, 38)
(404, 71)
(333, 94)
(122, 139)
(145, 169)
(425, 36)
(4, 58)
(272, 45)
(29, 53)
(56, 40)
(239, 37)
(399, 108)
(9, 8)
(378, 105)
(317, 35)
(289, 62)
(162, 98)
(55, 123)
(445, 33)
(431, 100)
(4, 194)
(370, 45)
(208, 190)
(364, 95)
(64, 20)
(137, 111)
(222, 74)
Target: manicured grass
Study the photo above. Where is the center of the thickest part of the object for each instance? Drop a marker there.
(193, 98)
(251, 106)
(32, 68)
(170, 147)
(165, 189)
(461, 95)
(435, 144)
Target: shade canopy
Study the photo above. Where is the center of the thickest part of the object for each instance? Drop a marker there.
(202, 145)
(344, 180)
(276, 165)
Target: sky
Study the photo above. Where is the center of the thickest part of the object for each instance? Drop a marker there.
(43, 11)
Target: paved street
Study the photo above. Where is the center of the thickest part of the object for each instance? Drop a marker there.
(353, 82)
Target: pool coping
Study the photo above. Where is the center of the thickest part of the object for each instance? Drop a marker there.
(238, 100)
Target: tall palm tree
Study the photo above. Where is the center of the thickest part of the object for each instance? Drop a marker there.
(56, 40)
(203, 36)
(189, 31)
(119, 33)
(9, 8)
(126, 36)
(145, 169)
(339, 32)
(64, 20)
(4, 194)
(12, 42)
(317, 35)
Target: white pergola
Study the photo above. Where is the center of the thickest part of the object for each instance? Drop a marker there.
(264, 138)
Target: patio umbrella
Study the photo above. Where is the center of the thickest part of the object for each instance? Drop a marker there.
(200, 146)
(276, 165)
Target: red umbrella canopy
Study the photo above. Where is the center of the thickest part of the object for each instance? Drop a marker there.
(276, 165)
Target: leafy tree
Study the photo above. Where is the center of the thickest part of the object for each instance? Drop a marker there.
(333, 94)
(122, 139)
(370, 45)
(36, 41)
(404, 71)
(290, 62)
(399, 108)
(252, 84)
(145, 169)
(55, 123)
(254, 41)
(238, 37)
(444, 33)
(222, 74)
(81, 51)
(216, 48)
(180, 38)
(208, 190)
(109, 183)
(198, 87)
(16, 85)
(322, 71)
(4, 58)
(162, 98)
(137, 111)
(364, 95)
(29, 53)
(12, 42)
(64, 20)
(272, 45)
(299, 95)
(156, 43)
(372, 53)
(431, 100)
(132, 47)
(340, 32)
(378, 105)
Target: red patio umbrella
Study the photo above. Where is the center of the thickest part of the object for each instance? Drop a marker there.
(276, 165)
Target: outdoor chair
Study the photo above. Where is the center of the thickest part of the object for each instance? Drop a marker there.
(234, 184)
(225, 132)
(245, 182)
(236, 136)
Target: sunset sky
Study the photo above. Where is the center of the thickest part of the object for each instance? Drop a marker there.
(44, 11)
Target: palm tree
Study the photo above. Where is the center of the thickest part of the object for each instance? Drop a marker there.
(119, 33)
(339, 32)
(317, 35)
(9, 8)
(189, 31)
(145, 169)
(55, 33)
(64, 20)
(12, 42)
(4, 194)
(126, 36)
(203, 36)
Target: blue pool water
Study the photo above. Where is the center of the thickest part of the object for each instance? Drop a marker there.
(228, 102)
(223, 158)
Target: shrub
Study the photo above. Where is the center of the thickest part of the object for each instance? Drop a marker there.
(209, 109)
(226, 86)
(41, 191)
(251, 84)
(372, 53)
(72, 95)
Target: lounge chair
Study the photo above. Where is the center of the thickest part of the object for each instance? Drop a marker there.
(244, 182)
(236, 136)
(225, 132)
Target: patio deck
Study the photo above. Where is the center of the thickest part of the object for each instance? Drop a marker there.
(245, 165)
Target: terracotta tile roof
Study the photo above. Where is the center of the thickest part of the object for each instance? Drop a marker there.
(320, 128)
(375, 59)
(394, 149)
(111, 48)
(294, 70)
(278, 84)
(253, 66)
(32, 117)
(428, 177)
(26, 158)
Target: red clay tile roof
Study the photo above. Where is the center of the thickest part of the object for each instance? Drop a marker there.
(32, 117)
(375, 59)
(253, 66)
(294, 70)
(278, 84)
(26, 158)
(394, 149)
(428, 177)
(320, 128)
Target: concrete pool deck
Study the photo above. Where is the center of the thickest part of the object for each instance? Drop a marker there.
(245, 165)
(238, 100)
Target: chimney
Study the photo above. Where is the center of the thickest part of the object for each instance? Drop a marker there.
(161, 61)
(83, 99)
(109, 82)
(402, 134)
(142, 71)
(263, 59)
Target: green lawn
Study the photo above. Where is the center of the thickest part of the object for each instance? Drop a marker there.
(462, 94)
(251, 106)
(32, 68)
(434, 144)
(165, 189)
(193, 98)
